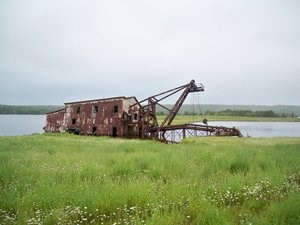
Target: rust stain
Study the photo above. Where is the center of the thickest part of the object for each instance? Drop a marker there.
(94, 117)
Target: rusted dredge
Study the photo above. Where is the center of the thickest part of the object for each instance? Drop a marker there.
(128, 117)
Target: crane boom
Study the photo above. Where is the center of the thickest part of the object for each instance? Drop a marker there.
(148, 127)
(188, 88)
(147, 112)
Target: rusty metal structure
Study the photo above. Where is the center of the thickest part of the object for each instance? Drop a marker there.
(166, 132)
(55, 121)
(128, 117)
(93, 117)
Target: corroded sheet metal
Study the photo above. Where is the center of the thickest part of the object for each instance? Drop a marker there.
(55, 121)
(95, 117)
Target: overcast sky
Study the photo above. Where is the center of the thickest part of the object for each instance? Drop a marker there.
(56, 51)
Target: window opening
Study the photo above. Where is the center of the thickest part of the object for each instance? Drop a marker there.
(73, 121)
(116, 109)
(78, 109)
(95, 109)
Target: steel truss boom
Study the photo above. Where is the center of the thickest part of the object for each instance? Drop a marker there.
(148, 124)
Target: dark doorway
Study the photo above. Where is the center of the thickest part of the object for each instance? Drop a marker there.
(94, 130)
(114, 132)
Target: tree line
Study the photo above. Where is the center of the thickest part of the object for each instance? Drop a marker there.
(235, 112)
(249, 113)
(43, 109)
(28, 109)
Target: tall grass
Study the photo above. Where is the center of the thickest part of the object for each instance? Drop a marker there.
(66, 179)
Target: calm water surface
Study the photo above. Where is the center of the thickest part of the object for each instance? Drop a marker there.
(11, 125)
(263, 129)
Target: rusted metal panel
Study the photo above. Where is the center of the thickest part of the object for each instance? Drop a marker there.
(95, 117)
(55, 121)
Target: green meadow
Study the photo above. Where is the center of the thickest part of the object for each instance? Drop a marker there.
(67, 179)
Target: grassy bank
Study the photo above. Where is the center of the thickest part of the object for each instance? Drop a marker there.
(181, 119)
(66, 179)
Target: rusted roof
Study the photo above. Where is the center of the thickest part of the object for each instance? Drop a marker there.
(59, 110)
(103, 99)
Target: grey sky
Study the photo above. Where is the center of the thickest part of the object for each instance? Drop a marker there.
(55, 51)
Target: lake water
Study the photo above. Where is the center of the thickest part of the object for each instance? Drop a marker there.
(11, 125)
(263, 129)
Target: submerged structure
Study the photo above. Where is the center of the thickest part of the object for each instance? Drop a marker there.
(128, 117)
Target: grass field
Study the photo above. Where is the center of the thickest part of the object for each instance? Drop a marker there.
(66, 179)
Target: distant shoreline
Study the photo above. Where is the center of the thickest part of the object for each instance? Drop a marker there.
(28, 109)
(181, 119)
(185, 109)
